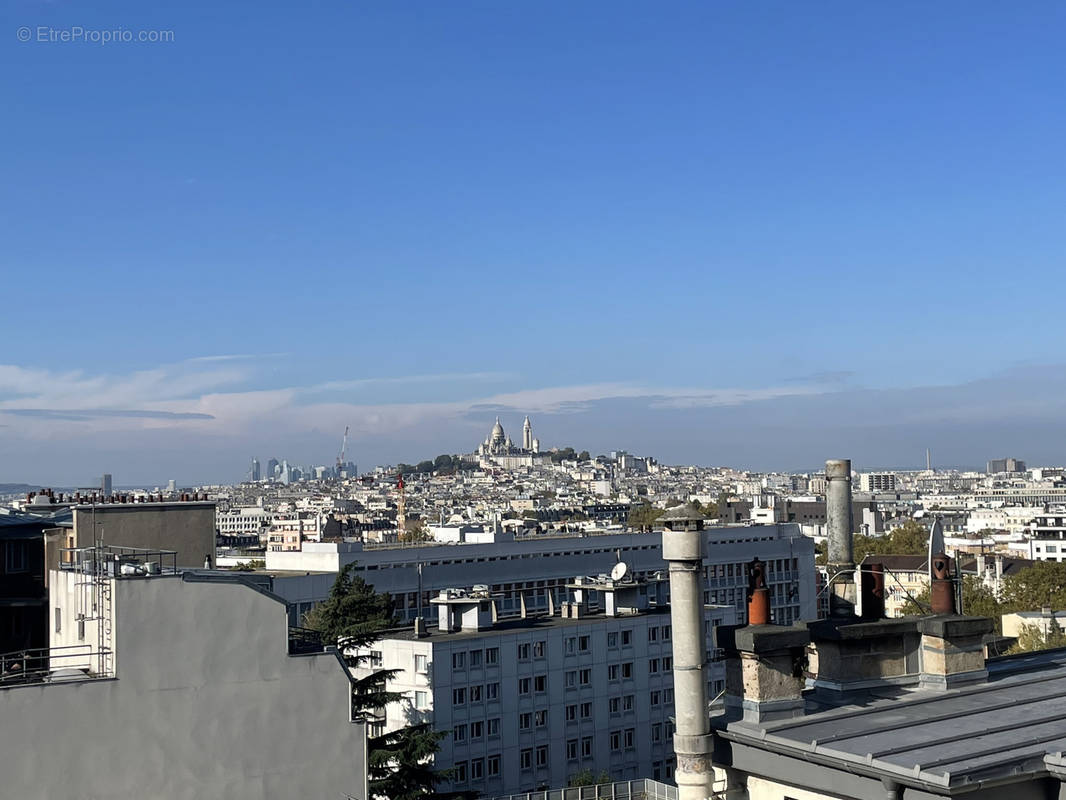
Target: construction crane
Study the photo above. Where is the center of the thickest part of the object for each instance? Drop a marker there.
(344, 447)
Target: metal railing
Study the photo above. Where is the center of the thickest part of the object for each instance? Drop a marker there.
(640, 789)
(49, 665)
(304, 640)
(115, 561)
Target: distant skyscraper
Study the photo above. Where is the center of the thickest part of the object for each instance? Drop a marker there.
(255, 469)
(172, 486)
(997, 465)
(105, 484)
(272, 468)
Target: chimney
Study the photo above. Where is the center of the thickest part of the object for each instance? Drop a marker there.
(683, 550)
(841, 561)
(766, 671)
(942, 590)
(872, 591)
(758, 594)
(953, 651)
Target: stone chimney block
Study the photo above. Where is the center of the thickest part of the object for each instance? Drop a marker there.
(953, 651)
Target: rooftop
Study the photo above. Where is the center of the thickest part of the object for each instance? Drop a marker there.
(945, 741)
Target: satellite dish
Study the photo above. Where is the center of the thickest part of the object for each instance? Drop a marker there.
(619, 571)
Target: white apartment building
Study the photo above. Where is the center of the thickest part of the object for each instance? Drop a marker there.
(541, 566)
(242, 521)
(877, 482)
(289, 530)
(1047, 536)
(530, 702)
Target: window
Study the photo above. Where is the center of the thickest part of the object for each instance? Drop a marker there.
(666, 633)
(668, 696)
(653, 698)
(525, 721)
(540, 718)
(475, 693)
(523, 651)
(492, 655)
(459, 696)
(627, 638)
(459, 733)
(570, 645)
(421, 701)
(420, 663)
(375, 658)
(614, 705)
(540, 683)
(16, 557)
(59, 620)
(627, 669)
(657, 732)
(477, 729)
(582, 643)
(629, 737)
(458, 660)
(542, 755)
(525, 758)
(571, 679)
(586, 710)
(571, 749)
(460, 772)
(668, 663)
(585, 677)
(523, 685)
(538, 649)
(586, 746)
(493, 726)
(477, 769)
(627, 702)
(492, 691)
(493, 764)
(612, 672)
(653, 634)
(653, 666)
(616, 740)
(612, 639)
(571, 713)
(475, 661)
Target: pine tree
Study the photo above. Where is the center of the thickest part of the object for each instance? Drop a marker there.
(400, 763)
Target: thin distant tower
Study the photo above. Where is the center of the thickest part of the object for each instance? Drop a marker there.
(928, 460)
(401, 510)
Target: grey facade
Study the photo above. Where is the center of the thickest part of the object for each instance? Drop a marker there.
(203, 702)
(186, 527)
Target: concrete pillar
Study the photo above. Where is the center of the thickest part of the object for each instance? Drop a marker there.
(683, 550)
(841, 561)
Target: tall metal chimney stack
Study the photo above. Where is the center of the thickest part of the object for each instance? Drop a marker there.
(683, 551)
(841, 562)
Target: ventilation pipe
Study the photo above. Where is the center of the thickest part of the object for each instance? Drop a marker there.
(841, 562)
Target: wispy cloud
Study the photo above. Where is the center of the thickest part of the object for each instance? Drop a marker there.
(101, 413)
(234, 357)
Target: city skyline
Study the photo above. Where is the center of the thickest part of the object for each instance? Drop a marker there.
(723, 234)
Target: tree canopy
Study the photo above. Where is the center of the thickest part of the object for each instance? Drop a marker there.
(353, 617)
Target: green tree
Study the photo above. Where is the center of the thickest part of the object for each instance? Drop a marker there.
(644, 515)
(353, 617)
(587, 777)
(1042, 584)
(910, 538)
(1031, 638)
(584, 456)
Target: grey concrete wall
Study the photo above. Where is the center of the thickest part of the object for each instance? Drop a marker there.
(207, 704)
(188, 528)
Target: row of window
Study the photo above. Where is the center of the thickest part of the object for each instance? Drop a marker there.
(476, 693)
(490, 656)
(476, 769)
(476, 730)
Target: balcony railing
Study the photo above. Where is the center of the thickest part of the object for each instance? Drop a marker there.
(51, 665)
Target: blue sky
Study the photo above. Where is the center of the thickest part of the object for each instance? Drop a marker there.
(629, 219)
